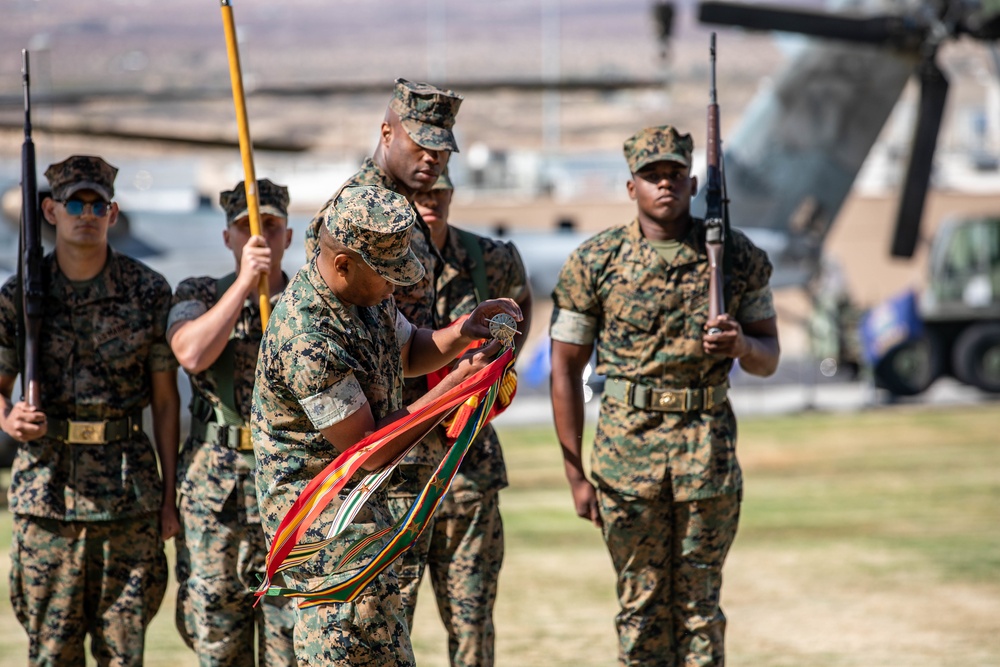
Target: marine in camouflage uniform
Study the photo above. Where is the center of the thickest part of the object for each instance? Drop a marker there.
(668, 484)
(215, 331)
(465, 545)
(330, 371)
(415, 144)
(90, 511)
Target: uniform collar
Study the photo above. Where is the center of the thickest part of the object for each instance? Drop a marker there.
(692, 245)
(352, 316)
(372, 174)
(106, 284)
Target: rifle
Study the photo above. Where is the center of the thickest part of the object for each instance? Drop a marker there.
(30, 266)
(716, 205)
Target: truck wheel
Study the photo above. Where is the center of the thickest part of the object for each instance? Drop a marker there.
(911, 367)
(976, 357)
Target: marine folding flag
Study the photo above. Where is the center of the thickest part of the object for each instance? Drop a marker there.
(481, 390)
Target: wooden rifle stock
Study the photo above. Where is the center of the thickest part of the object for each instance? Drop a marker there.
(30, 259)
(715, 205)
(246, 148)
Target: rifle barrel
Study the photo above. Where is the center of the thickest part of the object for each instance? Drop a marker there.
(30, 261)
(714, 204)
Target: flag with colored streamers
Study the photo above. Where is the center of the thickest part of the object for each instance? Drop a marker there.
(377, 551)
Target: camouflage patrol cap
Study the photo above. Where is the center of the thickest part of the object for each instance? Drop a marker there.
(271, 198)
(658, 144)
(81, 172)
(443, 182)
(377, 223)
(427, 113)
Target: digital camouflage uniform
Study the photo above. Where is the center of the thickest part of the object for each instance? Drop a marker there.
(668, 482)
(321, 360)
(86, 554)
(427, 114)
(221, 549)
(465, 542)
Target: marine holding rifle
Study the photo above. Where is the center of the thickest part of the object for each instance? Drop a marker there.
(215, 330)
(666, 482)
(90, 510)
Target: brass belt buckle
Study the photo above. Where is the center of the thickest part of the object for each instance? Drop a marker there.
(246, 443)
(86, 433)
(667, 399)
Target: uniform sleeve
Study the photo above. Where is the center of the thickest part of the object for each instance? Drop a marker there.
(8, 329)
(758, 302)
(505, 272)
(188, 303)
(404, 329)
(321, 377)
(161, 358)
(575, 309)
(757, 305)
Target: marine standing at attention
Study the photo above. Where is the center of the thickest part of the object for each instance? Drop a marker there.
(668, 484)
(214, 330)
(331, 372)
(91, 512)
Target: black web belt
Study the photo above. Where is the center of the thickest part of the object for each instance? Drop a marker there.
(233, 437)
(77, 432)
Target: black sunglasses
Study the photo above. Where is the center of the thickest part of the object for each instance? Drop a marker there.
(77, 207)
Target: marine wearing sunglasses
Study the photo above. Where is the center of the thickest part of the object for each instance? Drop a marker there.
(76, 207)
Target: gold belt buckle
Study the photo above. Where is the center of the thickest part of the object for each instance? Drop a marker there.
(246, 443)
(86, 433)
(671, 399)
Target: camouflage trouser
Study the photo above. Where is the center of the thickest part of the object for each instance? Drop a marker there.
(219, 556)
(669, 558)
(406, 485)
(369, 632)
(102, 578)
(465, 556)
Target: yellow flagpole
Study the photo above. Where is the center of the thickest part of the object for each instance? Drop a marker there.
(246, 148)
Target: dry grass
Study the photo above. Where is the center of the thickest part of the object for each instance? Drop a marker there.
(866, 540)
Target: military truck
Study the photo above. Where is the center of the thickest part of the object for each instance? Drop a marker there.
(951, 328)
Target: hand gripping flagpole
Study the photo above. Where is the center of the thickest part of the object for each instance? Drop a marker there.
(246, 147)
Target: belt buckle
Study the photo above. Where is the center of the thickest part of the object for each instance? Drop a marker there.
(664, 399)
(246, 442)
(86, 433)
(708, 400)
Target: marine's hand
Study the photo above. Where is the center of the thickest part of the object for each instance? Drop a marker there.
(170, 522)
(25, 423)
(255, 260)
(585, 501)
(474, 361)
(478, 325)
(729, 341)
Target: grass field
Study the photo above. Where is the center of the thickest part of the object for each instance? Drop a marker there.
(867, 539)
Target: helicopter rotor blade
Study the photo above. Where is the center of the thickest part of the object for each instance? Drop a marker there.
(933, 94)
(897, 31)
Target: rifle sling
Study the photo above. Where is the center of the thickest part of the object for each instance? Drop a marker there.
(223, 409)
(478, 269)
